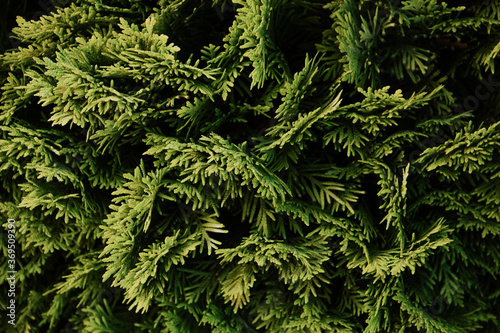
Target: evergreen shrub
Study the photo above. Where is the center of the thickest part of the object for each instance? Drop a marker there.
(253, 166)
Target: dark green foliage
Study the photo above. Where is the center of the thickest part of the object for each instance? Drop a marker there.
(254, 166)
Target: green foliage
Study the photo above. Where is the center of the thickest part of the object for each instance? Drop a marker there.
(253, 166)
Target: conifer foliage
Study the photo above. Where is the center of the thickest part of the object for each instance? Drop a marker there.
(254, 166)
